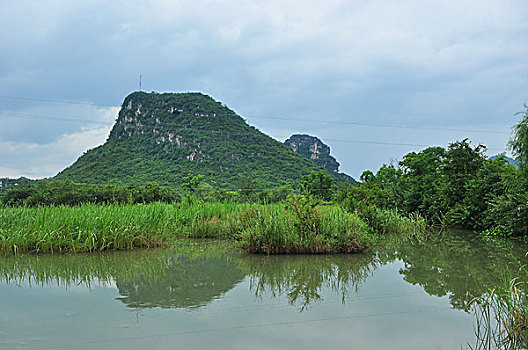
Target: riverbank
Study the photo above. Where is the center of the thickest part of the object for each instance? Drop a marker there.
(298, 226)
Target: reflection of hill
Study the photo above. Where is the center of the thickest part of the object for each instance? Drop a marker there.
(186, 282)
(456, 264)
(303, 277)
(191, 274)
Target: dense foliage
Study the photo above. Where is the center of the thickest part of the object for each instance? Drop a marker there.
(66, 192)
(458, 186)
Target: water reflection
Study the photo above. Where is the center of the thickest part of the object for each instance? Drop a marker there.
(302, 278)
(191, 275)
(460, 265)
(186, 282)
(195, 273)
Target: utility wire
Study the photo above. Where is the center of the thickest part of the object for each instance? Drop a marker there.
(379, 125)
(54, 101)
(251, 326)
(43, 117)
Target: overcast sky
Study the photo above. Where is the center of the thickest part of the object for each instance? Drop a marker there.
(433, 65)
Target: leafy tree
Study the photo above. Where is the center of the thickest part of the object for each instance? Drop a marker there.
(191, 182)
(66, 192)
(519, 142)
(420, 181)
(319, 184)
(461, 166)
(508, 214)
(490, 182)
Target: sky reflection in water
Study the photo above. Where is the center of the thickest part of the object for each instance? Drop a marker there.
(206, 294)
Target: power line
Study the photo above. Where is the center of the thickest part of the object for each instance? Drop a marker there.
(252, 326)
(379, 125)
(45, 117)
(396, 144)
(54, 101)
(61, 119)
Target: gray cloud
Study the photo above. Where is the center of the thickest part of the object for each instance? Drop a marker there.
(425, 63)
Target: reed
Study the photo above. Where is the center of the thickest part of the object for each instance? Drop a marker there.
(502, 315)
(326, 230)
(300, 226)
(390, 221)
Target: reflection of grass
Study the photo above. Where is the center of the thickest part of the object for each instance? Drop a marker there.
(86, 269)
(502, 315)
(193, 273)
(302, 278)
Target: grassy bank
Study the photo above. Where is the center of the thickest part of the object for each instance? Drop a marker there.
(297, 227)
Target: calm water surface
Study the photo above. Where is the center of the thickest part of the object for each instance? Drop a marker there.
(205, 295)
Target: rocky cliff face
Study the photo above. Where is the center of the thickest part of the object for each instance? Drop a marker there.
(313, 148)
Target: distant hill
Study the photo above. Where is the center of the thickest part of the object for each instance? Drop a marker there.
(313, 148)
(162, 137)
(508, 159)
(21, 181)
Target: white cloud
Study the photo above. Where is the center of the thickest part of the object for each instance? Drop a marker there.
(35, 160)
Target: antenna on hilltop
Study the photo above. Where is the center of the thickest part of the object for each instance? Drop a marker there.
(140, 82)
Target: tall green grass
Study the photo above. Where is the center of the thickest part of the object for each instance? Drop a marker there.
(91, 227)
(327, 230)
(298, 227)
(390, 221)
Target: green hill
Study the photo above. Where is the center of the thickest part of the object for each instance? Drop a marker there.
(163, 137)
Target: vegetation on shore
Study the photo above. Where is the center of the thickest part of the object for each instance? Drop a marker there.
(300, 226)
(67, 192)
(455, 187)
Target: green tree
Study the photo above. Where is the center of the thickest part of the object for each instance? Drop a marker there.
(191, 182)
(509, 212)
(420, 180)
(519, 142)
(319, 184)
(460, 167)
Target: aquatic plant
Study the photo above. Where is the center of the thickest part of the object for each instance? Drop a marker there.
(502, 315)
